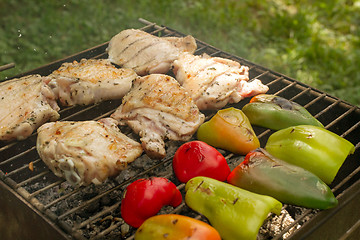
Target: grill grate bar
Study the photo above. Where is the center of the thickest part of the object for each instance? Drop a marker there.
(263, 133)
(260, 75)
(19, 169)
(66, 196)
(340, 117)
(17, 156)
(108, 230)
(318, 98)
(328, 107)
(275, 81)
(79, 112)
(346, 179)
(200, 49)
(216, 53)
(30, 179)
(351, 232)
(7, 146)
(285, 88)
(7, 66)
(300, 94)
(88, 202)
(293, 224)
(104, 115)
(47, 187)
(352, 128)
(98, 215)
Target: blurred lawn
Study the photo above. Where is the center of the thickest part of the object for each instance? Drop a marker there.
(316, 42)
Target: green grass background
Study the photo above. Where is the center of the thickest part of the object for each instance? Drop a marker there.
(316, 42)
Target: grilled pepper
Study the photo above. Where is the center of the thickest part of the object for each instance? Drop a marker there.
(197, 158)
(234, 212)
(231, 130)
(175, 227)
(264, 174)
(314, 148)
(145, 197)
(276, 113)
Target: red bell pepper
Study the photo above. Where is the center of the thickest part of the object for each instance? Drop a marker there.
(197, 158)
(144, 198)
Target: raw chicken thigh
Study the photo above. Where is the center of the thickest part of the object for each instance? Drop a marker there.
(25, 104)
(214, 82)
(157, 107)
(86, 152)
(90, 81)
(146, 53)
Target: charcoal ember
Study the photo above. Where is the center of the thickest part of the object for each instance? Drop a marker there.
(143, 163)
(295, 211)
(106, 200)
(275, 225)
(91, 208)
(124, 229)
(125, 175)
(172, 146)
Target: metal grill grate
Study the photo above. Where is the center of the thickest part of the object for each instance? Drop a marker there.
(93, 211)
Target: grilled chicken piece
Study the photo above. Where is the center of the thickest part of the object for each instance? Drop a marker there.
(25, 104)
(214, 82)
(90, 81)
(157, 107)
(146, 53)
(86, 152)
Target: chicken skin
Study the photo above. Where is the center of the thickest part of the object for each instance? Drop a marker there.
(146, 53)
(157, 107)
(25, 104)
(214, 82)
(86, 152)
(90, 81)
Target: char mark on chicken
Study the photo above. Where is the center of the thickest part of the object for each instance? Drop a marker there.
(25, 104)
(146, 53)
(157, 107)
(89, 81)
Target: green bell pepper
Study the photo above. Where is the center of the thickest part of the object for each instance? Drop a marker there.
(264, 174)
(276, 113)
(314, 148)
(231, 130)
(234, 212)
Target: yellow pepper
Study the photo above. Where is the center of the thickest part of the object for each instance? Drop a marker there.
(231, 130)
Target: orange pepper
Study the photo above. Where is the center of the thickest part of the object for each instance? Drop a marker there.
(176, 227)
(231, 130)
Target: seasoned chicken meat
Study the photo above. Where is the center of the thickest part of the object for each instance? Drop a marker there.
(146, 53)
(157, 107)
(25, 104)
(214, 82)
(86, 152)
(90, 81)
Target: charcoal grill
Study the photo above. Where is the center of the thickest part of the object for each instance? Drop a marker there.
(35, 203)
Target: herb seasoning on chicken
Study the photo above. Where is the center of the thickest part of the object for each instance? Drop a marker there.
(146, 53)
(157, 107)
(90, 81)
(214, 82)
(86, 152)
(25, 104)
